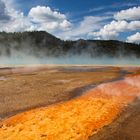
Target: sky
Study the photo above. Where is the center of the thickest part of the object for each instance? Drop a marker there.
(72, 20)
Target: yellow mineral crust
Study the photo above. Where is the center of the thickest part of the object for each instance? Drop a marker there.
(73, 120)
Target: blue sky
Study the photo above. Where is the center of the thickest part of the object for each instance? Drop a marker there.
(78, 9)
(100, 19)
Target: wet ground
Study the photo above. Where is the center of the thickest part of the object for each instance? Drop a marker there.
(27, 88)
(124, 127)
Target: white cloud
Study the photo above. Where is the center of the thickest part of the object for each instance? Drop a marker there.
(48, 19)
(16, 21)
(112, 30)
(129, 14)
(39, 18)
(57, 23)
(44, 18)
(43, 14)
(3, 12)
(124, 21)
(115, 5)
(134, 38)
(83, 28)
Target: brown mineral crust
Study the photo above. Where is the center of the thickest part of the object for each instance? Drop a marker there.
(77, 119)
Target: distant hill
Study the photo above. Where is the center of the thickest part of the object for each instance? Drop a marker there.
(41, 43)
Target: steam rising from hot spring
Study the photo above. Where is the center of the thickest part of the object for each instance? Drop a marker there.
(43, 48)
(21, 59)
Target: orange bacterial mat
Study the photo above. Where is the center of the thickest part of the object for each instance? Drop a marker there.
(76, 119)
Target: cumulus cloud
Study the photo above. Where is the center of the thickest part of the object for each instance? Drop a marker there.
(14, 20)
(42, 13)
(3, 12)
(39, 18)
(124, 21)
(112, 30)
(46, 18)
(57, 23)
(129, 14)
(134, 38)
(83, 28)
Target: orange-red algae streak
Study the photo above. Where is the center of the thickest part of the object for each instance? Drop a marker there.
(76, 119)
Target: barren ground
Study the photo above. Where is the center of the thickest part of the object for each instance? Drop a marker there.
(24, 89)
(28, 88)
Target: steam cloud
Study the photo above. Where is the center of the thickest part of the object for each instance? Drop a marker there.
(43, 48)
(21, 58)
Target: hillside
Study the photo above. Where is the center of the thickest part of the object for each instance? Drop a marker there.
(41, 43)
